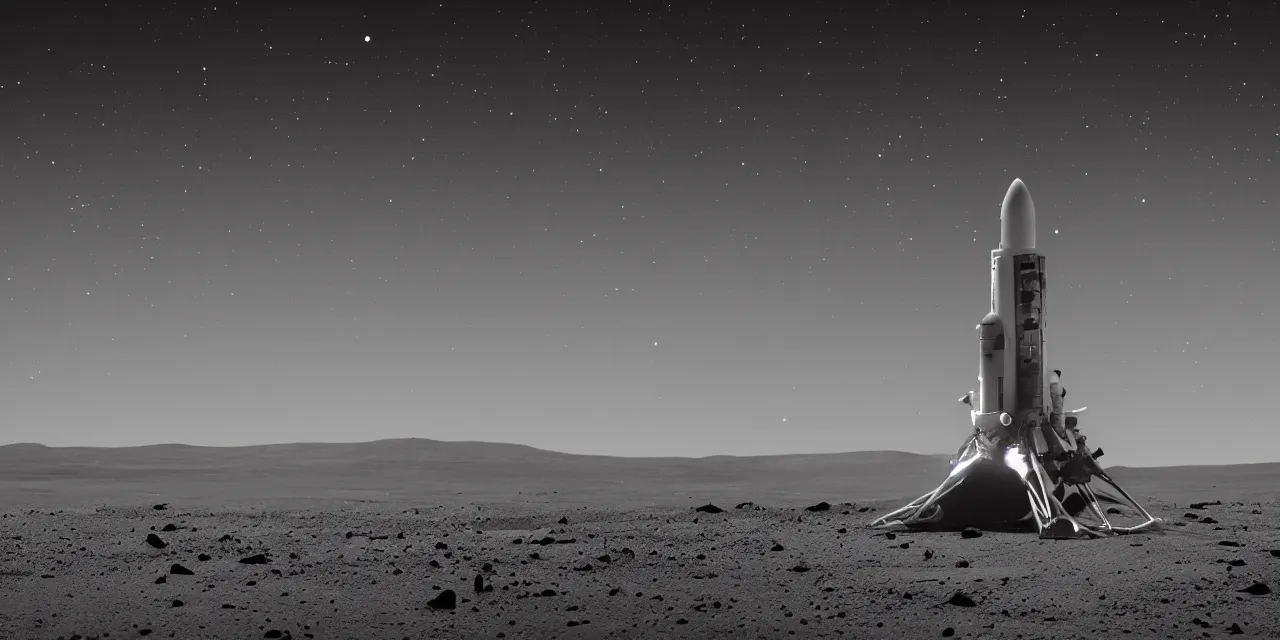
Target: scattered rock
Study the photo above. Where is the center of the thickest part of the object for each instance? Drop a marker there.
(776, 547)
(1236, 563)
(1208, 520)
(1234, 629)
(169, 527)
(948, 632)
(709, 508)
(204, 557)
(1113, 511)
(446, 599)
(1201, 505)
(563, 520)
(255, 559)
(960, 599)
(440, 546)
(889, 535)
(743, 505)
(155, 541)
(179, 570)
(800, 568)
(962, 564)
(1275, 553)
(479, 583)
(1256, 589)
(161, 580)
(1229, 543)
(970, 532)
(160, 507)
(821, 506)
(176, 604)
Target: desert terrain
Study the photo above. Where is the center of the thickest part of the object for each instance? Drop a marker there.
(422, 539)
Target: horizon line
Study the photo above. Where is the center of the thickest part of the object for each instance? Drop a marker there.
(565, 453)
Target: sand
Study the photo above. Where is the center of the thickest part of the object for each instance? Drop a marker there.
(359, 541)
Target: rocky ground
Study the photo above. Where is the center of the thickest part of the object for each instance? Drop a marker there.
(539, 565)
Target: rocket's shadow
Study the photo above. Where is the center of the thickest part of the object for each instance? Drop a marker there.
(993, 498)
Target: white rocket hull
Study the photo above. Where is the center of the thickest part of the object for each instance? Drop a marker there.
(1022, 435)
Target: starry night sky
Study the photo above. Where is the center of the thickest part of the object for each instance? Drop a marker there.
(642, 230)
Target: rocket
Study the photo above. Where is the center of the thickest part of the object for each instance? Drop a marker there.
(1011, 375)
(1026, 453)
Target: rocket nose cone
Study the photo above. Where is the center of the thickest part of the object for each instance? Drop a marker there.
(1016, 187)
(1018, 195)
(1017, 218)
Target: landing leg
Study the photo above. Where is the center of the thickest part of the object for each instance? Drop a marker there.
(925, 510)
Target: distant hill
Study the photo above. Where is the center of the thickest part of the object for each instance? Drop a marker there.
(419, 469)
(397, 448)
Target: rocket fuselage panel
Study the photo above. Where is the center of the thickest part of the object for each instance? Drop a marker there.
(1028, 335)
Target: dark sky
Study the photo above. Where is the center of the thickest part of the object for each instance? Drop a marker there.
(650, 229)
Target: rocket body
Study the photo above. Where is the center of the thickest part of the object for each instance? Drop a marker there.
(1010, 371)
(1020, 427)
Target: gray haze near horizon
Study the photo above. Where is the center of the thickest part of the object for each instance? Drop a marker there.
(474, 445)
(435, 472)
